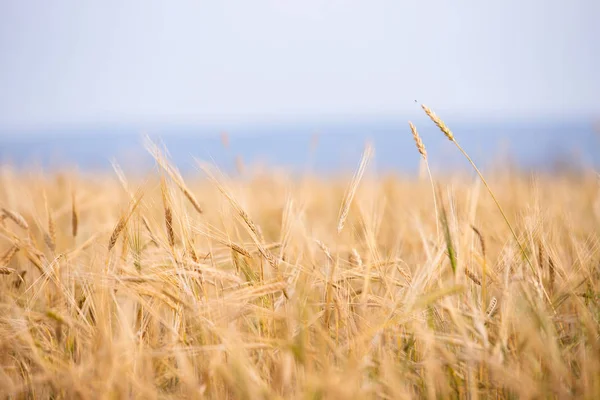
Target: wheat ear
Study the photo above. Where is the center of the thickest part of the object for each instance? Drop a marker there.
(16, 218)
(168, 212)
(74, 216)
(122, 223)
(6, 258)
(421, 149)
(345, 208)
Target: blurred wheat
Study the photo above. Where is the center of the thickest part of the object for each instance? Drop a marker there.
(260, 294)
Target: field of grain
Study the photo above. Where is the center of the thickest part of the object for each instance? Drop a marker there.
(265, 286)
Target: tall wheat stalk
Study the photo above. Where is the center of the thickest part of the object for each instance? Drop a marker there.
(440, 124)
(423, 151)
(351, 191)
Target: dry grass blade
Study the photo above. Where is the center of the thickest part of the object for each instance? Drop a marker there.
(173, 173)
(351, 191)
(149, 230)
(233, 246)
(16, 218)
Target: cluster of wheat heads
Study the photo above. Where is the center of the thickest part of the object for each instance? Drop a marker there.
(274, 287)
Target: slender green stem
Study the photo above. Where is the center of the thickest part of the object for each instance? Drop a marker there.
(495, 201)
(504, 216)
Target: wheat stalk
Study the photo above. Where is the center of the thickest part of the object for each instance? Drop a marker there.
(421, 149)
(123, 221)
(173, 174)
(351, 191)
(451, 137)
(254, 231)
(149, 230)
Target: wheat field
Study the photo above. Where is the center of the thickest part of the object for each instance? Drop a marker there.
(264, 286)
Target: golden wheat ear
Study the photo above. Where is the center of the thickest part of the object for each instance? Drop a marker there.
(6, 259)
(421, 149)
(166, 197)
(16, 218)
(122, 223)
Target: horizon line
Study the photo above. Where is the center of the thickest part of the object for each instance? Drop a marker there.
(262, 122)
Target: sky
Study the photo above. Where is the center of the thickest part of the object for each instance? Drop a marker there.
(70, 63)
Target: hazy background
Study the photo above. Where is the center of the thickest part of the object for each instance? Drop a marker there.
(80, 81)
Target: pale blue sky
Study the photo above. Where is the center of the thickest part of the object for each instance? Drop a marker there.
(116, 61)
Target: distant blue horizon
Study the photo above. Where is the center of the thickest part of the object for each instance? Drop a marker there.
(527, 144)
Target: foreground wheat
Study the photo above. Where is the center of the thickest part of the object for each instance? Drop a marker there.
(234, 289)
